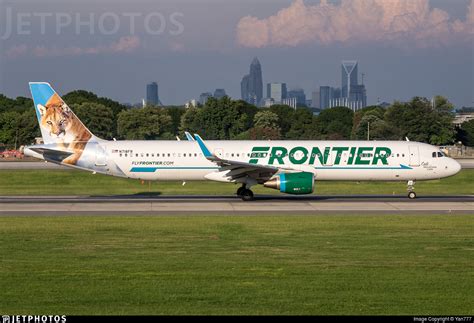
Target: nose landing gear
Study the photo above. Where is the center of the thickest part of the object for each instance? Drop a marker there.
(411, 190)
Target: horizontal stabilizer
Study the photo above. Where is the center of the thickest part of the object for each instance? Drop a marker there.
(51, 154)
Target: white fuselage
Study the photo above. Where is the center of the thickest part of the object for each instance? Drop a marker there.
(328, 160)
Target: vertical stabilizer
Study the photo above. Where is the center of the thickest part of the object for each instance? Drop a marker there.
(59, 126)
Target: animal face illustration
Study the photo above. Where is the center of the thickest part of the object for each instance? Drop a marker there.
(56, 118)
(64, 128)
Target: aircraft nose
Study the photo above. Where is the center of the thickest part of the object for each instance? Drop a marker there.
(454, 167)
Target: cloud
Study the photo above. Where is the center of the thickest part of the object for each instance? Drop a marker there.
(123, 45)
(355, 21)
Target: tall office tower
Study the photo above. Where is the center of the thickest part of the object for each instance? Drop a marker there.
(335, 93)
(245, 88)
(152, 97)
(325, 96)
(277, 92)
(255, 81)
(315, 100)
(299, 95)
(348, 77)
(219, 93)
(358, 94)
(204, 97)
(251, 86)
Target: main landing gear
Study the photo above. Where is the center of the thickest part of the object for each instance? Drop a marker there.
(245, 193)
(411, 190)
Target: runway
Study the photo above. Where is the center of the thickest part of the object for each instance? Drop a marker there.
(24, 165)
(230, 205)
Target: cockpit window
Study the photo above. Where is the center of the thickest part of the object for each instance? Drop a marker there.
(433, 154)
(440, 154)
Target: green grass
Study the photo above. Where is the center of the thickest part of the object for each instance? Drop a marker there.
(72, 182)
(337, 264)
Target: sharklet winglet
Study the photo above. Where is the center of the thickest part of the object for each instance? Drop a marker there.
(203, 147)
(188, 136)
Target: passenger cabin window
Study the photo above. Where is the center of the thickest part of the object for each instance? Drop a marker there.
(433, 154)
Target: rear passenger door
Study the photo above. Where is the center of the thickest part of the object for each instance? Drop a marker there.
(414, 155)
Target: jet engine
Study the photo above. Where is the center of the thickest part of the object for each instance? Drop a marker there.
(292, 183)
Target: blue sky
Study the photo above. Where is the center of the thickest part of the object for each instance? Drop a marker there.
(404, 47)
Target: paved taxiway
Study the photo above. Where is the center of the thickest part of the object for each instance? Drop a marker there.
(228, 205)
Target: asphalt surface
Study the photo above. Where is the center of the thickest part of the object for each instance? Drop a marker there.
(465, 164)
(230, 205)
(29, 165)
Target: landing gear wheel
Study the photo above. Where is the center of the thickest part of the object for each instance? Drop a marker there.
(411, 190)
(412, 195)
(240, 190)
(247, 195)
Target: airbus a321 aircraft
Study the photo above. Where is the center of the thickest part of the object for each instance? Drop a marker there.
(291, 167)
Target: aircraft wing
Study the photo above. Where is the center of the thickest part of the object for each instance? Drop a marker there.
(236, 169)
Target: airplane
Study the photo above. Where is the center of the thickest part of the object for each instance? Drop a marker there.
(290, 166)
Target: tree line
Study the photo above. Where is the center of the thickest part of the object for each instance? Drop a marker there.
(419, 120)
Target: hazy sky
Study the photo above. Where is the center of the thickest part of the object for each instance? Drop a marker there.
(113, 48)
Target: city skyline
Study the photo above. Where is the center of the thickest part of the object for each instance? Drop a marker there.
(202, 47)
(251, 86)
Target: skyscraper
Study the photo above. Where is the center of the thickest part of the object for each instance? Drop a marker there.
(349, 72)
(325, 96)
(315, 99)
(353, 94)
(251, 86)
(152, 97)
(277, 92)
(358, 94)
(245, 88)
(204, 97)
(219, 93)
(299, 95)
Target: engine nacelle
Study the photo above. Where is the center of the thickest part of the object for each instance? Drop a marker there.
(292, 183)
